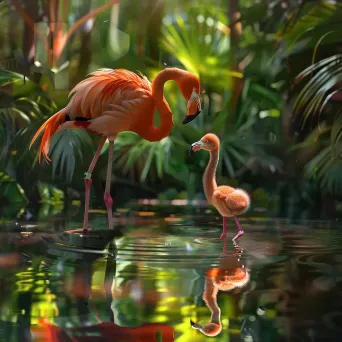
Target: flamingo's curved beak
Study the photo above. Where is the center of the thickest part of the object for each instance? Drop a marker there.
(189, 118)
(194, 107)
(196, 326)
(195, 147)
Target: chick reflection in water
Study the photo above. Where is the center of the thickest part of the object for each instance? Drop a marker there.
(230, 274)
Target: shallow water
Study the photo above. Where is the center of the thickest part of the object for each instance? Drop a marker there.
(153, 269)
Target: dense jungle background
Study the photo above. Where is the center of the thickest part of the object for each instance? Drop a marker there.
(271, 76)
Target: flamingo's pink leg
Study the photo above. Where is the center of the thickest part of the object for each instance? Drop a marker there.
(88, 181)
(224, 229)
(224, 251)
(240, 231)
(108, 200)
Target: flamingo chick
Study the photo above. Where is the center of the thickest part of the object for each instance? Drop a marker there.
(114, 101)
(230, 274)
(228, 201)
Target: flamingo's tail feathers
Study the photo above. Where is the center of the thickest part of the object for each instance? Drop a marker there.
(53, 333)
(49, 127)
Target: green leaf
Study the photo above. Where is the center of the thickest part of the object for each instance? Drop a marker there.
(200, 47)
(228, 164)
(50, 194)
(65, 146)
(148, 163)
(8, 77)
(272, 96)
(317, 19)
(320, 88)
(11, 193)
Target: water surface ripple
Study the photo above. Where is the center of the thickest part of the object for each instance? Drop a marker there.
(157, 272)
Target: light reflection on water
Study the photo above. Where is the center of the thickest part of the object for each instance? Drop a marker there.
(152, 270)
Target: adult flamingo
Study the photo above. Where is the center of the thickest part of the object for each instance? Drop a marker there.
(113, 101)
(228, 201)
(104, 332)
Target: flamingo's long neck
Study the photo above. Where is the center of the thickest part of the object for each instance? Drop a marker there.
(215, 312)
(209, 181)
(166, 122)
(168, 74)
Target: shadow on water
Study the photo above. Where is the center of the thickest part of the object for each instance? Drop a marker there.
(171, 280)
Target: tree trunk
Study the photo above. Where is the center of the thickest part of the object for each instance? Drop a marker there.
(154, 15)
(51, 10)
(235, 34)
(13, 33)
(234, 15)
(84, 51)
(29, 49)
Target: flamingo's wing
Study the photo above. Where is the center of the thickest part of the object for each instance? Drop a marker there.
(233, 199)
(119, 116)
(238, 200)
(90, 97)
(220, 195)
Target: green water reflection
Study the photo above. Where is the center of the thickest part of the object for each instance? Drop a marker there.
(281, 282)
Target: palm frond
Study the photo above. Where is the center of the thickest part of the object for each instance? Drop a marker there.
(66, 146)
(147, 158)
(326, 165)
(327, 169)
(49, 194)
(332, 177)
(320, 88)
(9, 77)
(199, 43)
(316, 19)
(10, 191)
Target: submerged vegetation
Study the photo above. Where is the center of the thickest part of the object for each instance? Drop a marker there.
(271, 76)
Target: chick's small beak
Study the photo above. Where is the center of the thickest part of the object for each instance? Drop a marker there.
(195, 325)
(195, 147)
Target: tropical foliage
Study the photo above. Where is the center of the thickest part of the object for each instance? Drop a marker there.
(247, 94)
(271, 77)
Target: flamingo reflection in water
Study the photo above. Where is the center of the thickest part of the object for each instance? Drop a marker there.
(230, 274)
(107, 332)
(103, 331)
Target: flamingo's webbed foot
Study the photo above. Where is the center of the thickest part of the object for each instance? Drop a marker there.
(240, 230)
(239, 234)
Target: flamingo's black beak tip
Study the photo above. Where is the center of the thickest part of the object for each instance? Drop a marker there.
(189, 118)
(191, 151)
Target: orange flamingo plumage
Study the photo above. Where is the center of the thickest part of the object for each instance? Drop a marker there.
(230, 274)
(228, 201)
(104, 332)
(112, 101)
